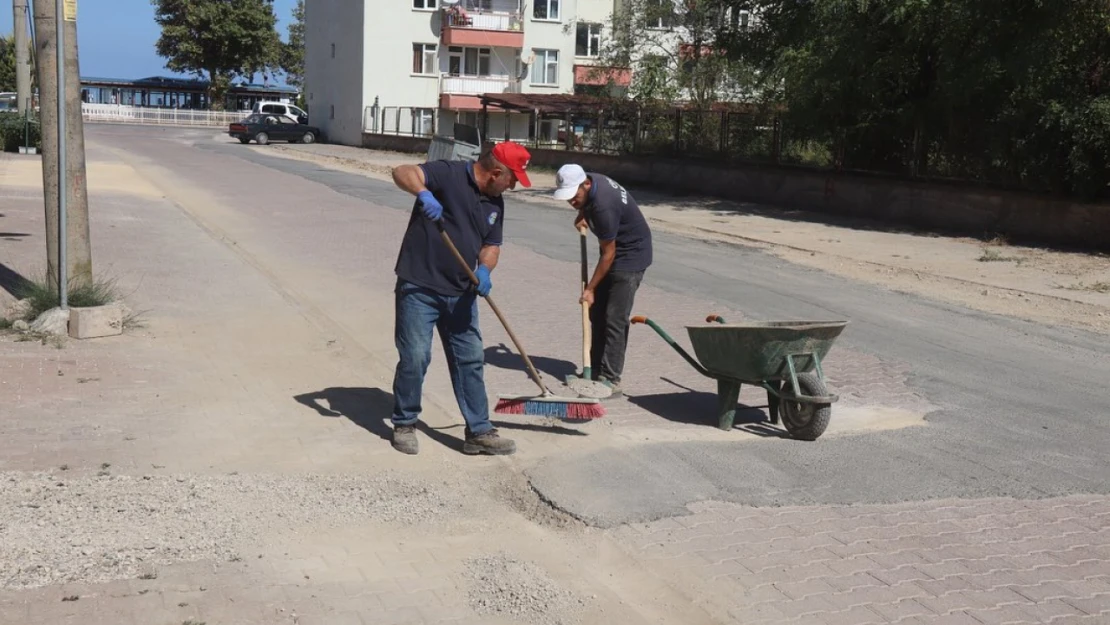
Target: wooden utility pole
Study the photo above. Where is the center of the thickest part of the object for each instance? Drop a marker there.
(22, 55)
(75, 260)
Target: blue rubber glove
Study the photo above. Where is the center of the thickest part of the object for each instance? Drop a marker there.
(430, 205)
(484, 284)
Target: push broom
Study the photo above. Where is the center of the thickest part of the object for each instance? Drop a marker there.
(585, 385)
(546, 404)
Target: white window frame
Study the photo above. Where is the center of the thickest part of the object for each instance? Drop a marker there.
(428, 58)
(547, 59)
(423, 122)
(547, 5)
(470, 61)
(425, 5)
(593, 39)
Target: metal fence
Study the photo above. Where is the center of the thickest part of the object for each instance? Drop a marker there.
(400, 120)
(123, 114)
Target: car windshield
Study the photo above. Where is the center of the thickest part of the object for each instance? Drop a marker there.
(253, 119)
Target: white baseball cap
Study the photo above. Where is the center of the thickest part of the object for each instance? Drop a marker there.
(567, 180)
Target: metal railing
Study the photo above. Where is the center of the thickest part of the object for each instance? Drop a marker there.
(500, 15)
(403, 120)
(123, 114)
(476, 85)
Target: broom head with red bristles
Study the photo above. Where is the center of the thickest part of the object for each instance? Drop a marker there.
(552, 406)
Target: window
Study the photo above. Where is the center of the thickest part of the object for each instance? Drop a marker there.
(333, 50)
(423, 122)
(734, 19)
(468, 61)
(423, 58)
(545, 71)
(588, 40)
(424, 5)
(660, 14)
(546, 10)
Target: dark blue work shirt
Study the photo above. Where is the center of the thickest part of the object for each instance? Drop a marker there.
(612, 214)
(471, 219)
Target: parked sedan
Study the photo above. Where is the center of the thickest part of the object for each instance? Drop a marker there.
(263, 128)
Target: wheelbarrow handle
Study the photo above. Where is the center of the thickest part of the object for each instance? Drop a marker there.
(670, 341)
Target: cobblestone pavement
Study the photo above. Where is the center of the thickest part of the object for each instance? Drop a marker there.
(320, 261)
(956, 561)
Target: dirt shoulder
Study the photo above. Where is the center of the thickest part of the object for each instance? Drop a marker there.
(1069, 289)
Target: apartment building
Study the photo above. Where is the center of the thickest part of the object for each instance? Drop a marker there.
(419, 66)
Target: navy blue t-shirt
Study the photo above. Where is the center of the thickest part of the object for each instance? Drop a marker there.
(471, 219)
(612, 214)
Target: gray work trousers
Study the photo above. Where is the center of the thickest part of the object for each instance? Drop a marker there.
(609, 321)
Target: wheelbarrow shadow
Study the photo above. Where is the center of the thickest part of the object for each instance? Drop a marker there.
(694, 407)
(371, 408)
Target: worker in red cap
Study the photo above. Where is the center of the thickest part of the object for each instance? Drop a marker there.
(433, 292)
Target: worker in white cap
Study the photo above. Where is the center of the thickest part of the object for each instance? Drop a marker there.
(610, 212)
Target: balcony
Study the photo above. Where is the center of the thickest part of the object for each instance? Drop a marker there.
(460, 93)
(493, 24)
(596, 75)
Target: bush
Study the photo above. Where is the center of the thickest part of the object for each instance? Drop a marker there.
(12, 132)
(43, 294)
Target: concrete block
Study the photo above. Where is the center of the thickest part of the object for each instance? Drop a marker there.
(96, 322)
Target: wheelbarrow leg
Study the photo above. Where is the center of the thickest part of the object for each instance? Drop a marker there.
(773, 402)
(728, 397)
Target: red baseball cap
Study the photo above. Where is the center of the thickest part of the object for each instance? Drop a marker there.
(515, 157)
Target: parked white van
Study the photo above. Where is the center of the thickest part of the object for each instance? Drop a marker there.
(280, 108)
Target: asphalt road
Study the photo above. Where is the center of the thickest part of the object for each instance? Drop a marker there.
(1024, 409)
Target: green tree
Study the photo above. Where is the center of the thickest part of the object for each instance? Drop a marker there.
(7, 63)
(673, 51)
(1010, 91)
(292, 53)
(218, 39)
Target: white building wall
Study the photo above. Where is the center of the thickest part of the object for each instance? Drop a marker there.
(594, 12)
(553, 34)
(333, 82)
(392, 27)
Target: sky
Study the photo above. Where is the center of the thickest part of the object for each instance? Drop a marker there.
(104, 53)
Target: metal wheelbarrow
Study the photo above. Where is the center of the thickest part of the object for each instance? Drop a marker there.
(782, 357)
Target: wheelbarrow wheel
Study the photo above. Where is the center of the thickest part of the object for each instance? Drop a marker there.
(805, 421)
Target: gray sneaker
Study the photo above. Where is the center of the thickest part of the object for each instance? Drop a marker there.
(404, 439)
(615, 387)
(488, 443)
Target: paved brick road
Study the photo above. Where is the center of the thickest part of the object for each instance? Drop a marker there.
(982, 561)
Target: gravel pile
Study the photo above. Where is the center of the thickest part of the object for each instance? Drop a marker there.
(500, 584)
(93, 529)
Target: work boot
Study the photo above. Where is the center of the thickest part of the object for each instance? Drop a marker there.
(488, 443)
(404, 439)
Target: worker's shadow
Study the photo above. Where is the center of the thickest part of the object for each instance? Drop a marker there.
(700, 408)
(504, 358)
(371, 408)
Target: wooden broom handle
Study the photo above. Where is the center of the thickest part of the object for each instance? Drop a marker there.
(586, 364)
(473, 278)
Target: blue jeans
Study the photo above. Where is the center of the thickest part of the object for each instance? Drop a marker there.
(418, 311)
